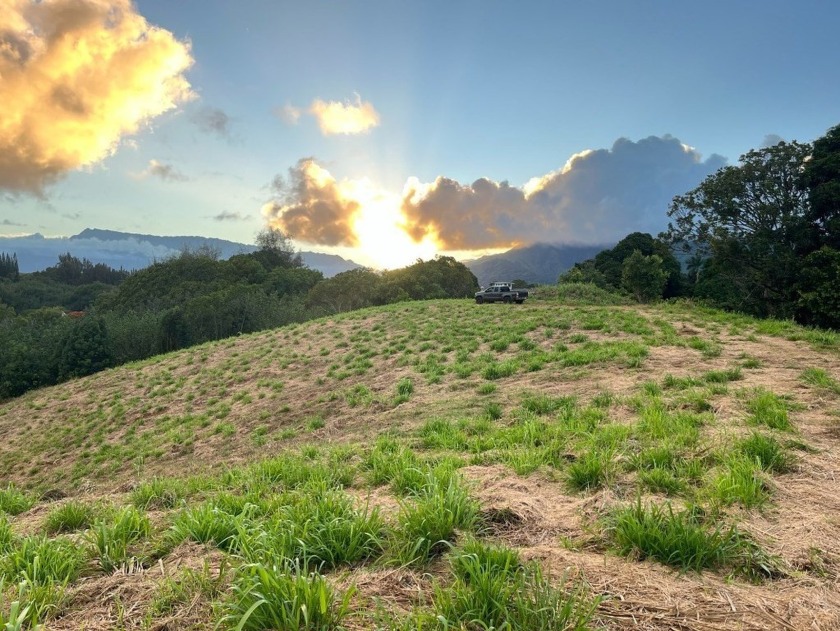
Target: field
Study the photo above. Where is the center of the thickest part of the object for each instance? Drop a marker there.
(437, 465)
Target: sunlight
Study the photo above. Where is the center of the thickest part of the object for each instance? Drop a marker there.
(379, 228)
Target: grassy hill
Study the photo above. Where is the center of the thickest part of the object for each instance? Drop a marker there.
(550, 465)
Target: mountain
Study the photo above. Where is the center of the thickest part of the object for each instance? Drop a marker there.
(540, 263)
(130, 250)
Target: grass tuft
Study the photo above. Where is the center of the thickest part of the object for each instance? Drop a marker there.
(677, 539)
(283, 596)
(767, 408)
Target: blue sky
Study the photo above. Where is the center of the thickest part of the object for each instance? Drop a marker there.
(460, 91)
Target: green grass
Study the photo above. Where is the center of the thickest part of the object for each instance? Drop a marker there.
(283, 596)
(205, 523)
(405, 387)
(13, 501)
(111, 539)
(742, 481)
(426, 525)
(590, 471)
(183, 590)
(498, 370)
(493, 590)
(766, 451)
(588, 294)
(661, 480)
(42, 561)
(677, 539)
(819, 378)
(70, 517)
(768, 409)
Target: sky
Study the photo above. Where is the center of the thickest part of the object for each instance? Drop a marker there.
(389, 130)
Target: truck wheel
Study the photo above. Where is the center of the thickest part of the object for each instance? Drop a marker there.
(479, 300)
(519, 302)
(507, 299)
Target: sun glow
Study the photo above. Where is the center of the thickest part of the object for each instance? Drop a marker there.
(379, 227)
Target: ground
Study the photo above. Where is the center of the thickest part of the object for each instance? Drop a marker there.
(576, 437)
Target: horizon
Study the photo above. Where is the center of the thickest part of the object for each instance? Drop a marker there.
(382, 133)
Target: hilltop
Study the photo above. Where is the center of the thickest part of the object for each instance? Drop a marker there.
(674, 466)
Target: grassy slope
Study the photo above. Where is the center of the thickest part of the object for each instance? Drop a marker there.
(581, 432)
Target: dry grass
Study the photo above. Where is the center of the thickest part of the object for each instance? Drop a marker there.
(84, 440)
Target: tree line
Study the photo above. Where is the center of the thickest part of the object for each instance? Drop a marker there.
(761, 237)
(182, 301)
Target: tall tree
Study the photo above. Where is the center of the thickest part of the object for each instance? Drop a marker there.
(822, 180)
(752, 220)
(9, 266)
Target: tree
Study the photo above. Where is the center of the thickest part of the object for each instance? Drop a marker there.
(276, 250)
(9, 266)
(822, 181)
(353, 289)
(752, 220)
(643, 276)
(611, 262)
(584, 272)
(819, 289)
(85, 349)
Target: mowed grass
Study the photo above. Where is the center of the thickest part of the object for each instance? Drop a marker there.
(376, 421)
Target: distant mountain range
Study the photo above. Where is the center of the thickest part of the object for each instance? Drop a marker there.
(135, 251)
(540, 263)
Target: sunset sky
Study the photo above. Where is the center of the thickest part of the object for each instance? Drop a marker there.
(390, 130)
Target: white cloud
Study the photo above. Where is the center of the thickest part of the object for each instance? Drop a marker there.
(165, 172)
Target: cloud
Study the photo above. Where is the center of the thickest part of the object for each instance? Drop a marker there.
(213, 120)
(771, 140)
(597, 197)
(166, 172)
(9, 222)
(229, 215)
(289, 114)
(335, 117)
(76, 77)
(313, 207)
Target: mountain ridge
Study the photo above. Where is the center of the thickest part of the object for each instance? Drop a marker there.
(129, 250)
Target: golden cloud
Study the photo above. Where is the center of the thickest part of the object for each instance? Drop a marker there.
(313, 207)
(76, 76)
(335, 117)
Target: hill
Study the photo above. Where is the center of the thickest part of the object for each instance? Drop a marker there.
(540, 263)
(614, 467)
(128, 250)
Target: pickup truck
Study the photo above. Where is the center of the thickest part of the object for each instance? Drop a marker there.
(501, 292)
